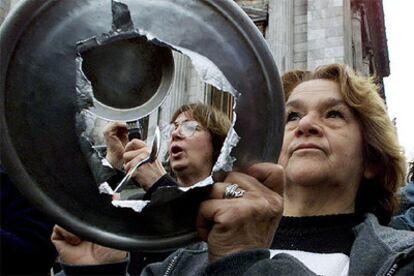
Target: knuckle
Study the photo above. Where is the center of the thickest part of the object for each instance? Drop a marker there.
(126, 156)
(275, 204)
(279, 171)
(134, 143)
(270, 205)
(240, 178)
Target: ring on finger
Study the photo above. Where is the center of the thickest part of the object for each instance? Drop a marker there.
(233, 191)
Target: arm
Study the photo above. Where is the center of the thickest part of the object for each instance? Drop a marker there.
(25, 234)
(78, 256)
(238, 230)
(165, 181)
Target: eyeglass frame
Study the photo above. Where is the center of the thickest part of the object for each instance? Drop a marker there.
(179, 126)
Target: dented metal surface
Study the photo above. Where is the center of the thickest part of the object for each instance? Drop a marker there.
(123, 28)
(39, 128)
(138, 84)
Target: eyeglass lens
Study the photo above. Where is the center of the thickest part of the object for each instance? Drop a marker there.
(185, 129)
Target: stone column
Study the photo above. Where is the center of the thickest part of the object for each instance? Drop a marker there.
(177, 96)
(195, 87)
(279, 33)
(327, 41)
(357, 39)
(300, 34)
(347, 19)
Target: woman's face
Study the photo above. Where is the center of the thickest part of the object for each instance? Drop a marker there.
(323, 143)
(190, 152)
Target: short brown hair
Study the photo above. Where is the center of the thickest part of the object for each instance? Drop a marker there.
(214, 120)
(381, 148)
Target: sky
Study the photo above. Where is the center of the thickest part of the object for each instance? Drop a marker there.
(399, 88)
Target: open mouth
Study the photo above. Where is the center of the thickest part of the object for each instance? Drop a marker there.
(176, 150)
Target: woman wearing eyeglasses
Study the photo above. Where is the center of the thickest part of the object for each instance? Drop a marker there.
(195, 136)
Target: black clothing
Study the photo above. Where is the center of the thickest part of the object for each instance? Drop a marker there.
(319, 234)
(26, 248)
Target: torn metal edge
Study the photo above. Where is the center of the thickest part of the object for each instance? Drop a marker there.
(84, 88)
(121, 17)
(208, 72)
(225, 161)
(136, 205)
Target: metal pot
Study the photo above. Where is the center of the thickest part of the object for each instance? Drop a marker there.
(39, 103)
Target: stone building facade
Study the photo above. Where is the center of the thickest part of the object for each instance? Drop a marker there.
(301, 34)
(304, 34)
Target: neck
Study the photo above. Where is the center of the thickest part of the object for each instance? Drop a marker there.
(317, 200)
(189, 179)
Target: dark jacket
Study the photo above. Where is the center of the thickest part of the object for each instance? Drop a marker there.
(405, 219)
(377, 250)
(26, 248)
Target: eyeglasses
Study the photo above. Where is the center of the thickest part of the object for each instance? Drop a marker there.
(185, 129)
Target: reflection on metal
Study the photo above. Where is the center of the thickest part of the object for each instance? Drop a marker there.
(123, 74)
(206, 69)
(129, 77)
(43, 118)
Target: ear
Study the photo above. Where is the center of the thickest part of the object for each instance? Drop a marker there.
(370, 171)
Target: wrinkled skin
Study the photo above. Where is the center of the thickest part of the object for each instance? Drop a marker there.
(191, 158)
(249, 222)
(322, 151)
(239, 223)
(73, 250)
(116, 138)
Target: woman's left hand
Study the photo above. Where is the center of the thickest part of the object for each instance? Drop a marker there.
(248, 222)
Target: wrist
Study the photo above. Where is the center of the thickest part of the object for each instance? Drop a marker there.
(150, 177)
(149, 181)
(116, 163)
(121, 256)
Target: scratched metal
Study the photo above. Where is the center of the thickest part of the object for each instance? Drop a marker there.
(39, 105)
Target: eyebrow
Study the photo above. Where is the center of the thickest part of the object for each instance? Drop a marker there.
(180, 122)
(326, 103)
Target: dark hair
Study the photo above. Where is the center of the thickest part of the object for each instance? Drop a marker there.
(214, 120)
(381, 148)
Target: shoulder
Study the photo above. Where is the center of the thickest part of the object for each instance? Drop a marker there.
(393, 239)
(380, 248)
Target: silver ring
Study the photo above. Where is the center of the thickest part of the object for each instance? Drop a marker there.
(233, 191)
